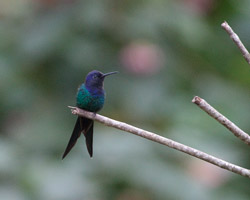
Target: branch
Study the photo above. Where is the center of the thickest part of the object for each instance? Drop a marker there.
(237, 41)
(222, 119)
(162, 140)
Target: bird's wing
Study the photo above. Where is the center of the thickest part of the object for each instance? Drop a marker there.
(74, 136)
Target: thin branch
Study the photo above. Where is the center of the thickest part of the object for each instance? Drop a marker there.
(222, 119)
(236, 40)
(162, 140)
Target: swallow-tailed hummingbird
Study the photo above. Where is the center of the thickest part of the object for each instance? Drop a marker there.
(90, 96)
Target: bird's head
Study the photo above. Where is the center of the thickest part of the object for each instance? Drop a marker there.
(95, 79)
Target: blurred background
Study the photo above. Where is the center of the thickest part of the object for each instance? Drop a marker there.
(166, 52)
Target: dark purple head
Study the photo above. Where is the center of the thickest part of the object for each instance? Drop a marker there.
(95, 79)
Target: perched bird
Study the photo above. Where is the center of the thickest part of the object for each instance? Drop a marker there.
(90, 97)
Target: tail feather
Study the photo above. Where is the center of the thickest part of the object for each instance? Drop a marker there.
(75, 135)
(84, 125)
(88, 133)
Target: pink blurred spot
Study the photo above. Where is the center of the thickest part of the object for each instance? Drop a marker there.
(142, 58)
(200, 6)
(207, 174)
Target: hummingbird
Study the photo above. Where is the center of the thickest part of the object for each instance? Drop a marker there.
(91, 97)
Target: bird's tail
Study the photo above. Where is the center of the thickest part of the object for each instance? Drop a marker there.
(84, 125)
(88, 133)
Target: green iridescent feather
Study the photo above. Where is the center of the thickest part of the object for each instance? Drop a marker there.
(88, 101)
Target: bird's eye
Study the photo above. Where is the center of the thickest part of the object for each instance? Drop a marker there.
(94, 76)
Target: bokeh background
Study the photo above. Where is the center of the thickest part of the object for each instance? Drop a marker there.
(166, 52)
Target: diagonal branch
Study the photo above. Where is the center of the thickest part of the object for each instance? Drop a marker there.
(222, 119)
(236, 40)
(162, 140)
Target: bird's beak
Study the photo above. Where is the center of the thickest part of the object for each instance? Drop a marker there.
(109, 73)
